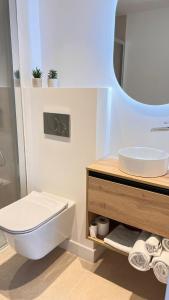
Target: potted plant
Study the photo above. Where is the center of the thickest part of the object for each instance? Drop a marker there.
(37, 77)
(17, 78)
(53, 78)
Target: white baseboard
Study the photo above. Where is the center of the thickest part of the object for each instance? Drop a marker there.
(82, 251)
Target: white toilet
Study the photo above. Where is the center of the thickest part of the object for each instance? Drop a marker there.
(37, 223)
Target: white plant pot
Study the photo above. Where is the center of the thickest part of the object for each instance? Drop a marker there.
(17, 83)
(37, 82)
(53, 83)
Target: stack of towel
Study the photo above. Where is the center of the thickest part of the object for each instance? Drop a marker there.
(145, 250)
(165, 243)
(139, 257)
(148, 253)
(160, 264)
(153, 245)
(160, 267)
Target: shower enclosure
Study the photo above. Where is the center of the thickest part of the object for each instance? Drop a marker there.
(10, 100)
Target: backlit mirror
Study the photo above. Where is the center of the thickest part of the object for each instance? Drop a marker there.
(141, 50)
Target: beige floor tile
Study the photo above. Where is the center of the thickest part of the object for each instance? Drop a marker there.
(116, 269)
(63, 276)
(97, 288)
(66, 282)
(22, 279)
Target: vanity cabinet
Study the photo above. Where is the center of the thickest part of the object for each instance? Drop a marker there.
(139, 202)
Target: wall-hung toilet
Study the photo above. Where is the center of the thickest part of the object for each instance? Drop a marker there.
(37, 223)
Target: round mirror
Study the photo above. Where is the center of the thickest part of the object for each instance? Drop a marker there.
(141, 49)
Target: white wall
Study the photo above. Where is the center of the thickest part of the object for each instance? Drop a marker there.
(146, 56)
(29, 38)
(76, 40)
(58, 165)
(75, 37)
(132, 123)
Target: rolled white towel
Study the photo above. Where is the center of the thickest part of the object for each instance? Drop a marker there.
(165, 243)
(153, 245)
(122, 238)
(139, 258)
(160, 267)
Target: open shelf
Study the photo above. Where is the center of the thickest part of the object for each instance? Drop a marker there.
(91, 216)
(103, 244)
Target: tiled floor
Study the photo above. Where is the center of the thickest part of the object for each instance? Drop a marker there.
(2, 240)
(63, 276)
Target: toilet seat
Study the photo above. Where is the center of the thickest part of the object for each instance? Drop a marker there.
(30, 212)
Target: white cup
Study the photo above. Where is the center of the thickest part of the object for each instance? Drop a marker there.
(93, 229)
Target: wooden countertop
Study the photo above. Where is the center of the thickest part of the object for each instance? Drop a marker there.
(110, 167)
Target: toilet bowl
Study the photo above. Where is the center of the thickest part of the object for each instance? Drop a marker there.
(37, 223)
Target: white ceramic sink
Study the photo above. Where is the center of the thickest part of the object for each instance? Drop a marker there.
(143, 161)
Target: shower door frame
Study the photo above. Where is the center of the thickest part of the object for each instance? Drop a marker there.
(18, 99)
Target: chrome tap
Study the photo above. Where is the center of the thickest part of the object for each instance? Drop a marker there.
(162, 128)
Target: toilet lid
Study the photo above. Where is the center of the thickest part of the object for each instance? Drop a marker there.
(30, 212)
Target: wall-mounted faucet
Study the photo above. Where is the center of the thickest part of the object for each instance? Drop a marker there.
(162, 128)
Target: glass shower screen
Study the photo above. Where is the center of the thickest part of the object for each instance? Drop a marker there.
(9, 158)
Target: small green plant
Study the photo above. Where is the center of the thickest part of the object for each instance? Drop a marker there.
(37, 73)
(17, 74)
(53, 74)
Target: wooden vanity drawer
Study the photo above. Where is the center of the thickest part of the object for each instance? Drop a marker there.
(133, 206)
